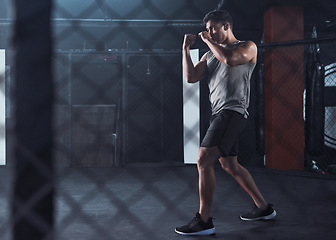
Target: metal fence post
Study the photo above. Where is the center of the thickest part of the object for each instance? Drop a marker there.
(32, 203)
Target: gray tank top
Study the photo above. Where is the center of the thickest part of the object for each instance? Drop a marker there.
(229, 86)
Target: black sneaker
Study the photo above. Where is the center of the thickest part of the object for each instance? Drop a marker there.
(197, 227)
(259, 214)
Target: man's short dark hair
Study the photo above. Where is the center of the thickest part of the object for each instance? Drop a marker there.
(221, 16)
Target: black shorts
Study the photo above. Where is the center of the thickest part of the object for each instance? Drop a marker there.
(224, 131)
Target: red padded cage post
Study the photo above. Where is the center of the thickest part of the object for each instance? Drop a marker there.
(284, 85)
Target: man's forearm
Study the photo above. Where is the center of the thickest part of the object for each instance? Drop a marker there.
(220, 52)
(188, 66)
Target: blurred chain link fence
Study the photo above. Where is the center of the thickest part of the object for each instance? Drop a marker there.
(118, 102)
(315, 113)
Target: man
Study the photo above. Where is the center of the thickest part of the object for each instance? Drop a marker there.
(228, 66)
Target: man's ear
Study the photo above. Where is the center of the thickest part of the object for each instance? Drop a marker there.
(226, 26)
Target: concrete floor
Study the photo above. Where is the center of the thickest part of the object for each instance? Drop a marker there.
(149, 202)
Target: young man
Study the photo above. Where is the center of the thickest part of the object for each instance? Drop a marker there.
(228, 66)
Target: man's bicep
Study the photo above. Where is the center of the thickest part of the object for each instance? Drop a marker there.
(201, 69)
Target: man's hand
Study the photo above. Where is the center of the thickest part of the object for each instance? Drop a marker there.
(189, 40)
(205, 36)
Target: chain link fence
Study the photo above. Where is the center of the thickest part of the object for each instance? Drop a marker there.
(287, 108)
(117, 108)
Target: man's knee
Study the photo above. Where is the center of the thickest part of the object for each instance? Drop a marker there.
(207, 157)
(225, 164)
(229, 164)
(202, 158)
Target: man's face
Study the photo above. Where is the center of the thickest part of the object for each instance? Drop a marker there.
(216, 30)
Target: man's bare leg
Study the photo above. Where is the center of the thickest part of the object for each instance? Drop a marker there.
(207, 179)
(244, 178)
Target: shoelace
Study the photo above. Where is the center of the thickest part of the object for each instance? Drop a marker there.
(254, 210)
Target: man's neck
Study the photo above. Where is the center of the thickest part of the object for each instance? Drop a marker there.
(230, 39)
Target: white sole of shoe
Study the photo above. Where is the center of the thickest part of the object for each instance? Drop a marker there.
(268, 217)
(204, 232)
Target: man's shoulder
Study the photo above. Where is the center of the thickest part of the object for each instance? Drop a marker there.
(206, 55)
(247, 43)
